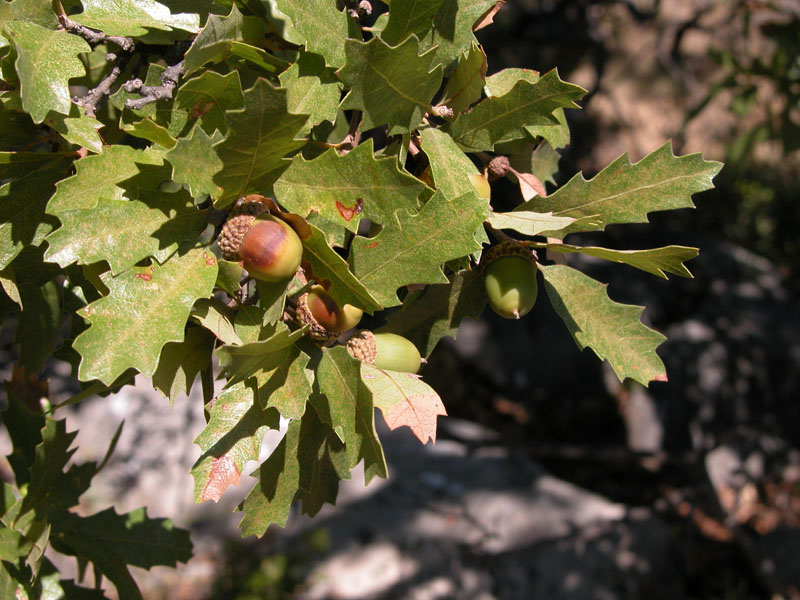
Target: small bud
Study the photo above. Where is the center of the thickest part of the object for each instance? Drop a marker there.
(499, 167)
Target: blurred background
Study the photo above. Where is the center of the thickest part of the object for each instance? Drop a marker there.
(550, 479)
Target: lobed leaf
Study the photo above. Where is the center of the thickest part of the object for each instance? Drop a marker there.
(657, 261)
(46, 60)
(320, 25)
(345, 189)
(414, 250)
(626, 193)
(146, 307)
(393, 85)
(405, 400)
(612, 330)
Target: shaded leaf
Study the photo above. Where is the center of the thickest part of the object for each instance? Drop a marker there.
(437, 310)
(414, 250)
(626, 193)
(407, 17)
(180, 362)
(212, 314)
(259, 136)
(213, 43)
(146, 307)
(194, 162)
(612, 330)
(307, 463)
(46, 60)
(23, 198)
(133, 17)
(405, 400)
(393, 85)
(321, 26)
(312, 89)
(204, 100)
(242, 362)
(323, 265)
(229, 441)
(501, 118)
(345, 189)
(346, 405)
(288, 387)
(123, 232)
(465, 84)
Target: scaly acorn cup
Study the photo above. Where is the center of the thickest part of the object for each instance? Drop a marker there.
(268, 247)
(385, 350)
(509, 276)
(325, 319)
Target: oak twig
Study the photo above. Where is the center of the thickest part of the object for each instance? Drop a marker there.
(92, 36)
(150, 93)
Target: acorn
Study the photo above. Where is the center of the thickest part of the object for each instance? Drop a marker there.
(481, 185)
(509, 276)
(326, 320)
(268, 247)
(385, 350)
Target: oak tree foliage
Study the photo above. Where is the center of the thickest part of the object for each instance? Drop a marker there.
(129, 130)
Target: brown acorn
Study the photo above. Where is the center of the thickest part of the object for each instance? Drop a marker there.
(268, 247)
(325, 319)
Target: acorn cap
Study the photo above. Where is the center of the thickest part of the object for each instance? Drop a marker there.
(363, 347)
(498, 167)
(504, 249)
(315, 331)
(239, 220)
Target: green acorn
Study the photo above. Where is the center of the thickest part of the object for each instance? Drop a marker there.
(385, 350)
(509, 276)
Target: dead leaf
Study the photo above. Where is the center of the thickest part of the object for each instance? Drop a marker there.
(419, 412)
(488, 18)
(223, 473)
(530, 186)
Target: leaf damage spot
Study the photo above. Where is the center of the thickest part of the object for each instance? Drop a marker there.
(223, 473)
(210, 260)
(144, 276)
(199, 110)
(348, 212)
(372, 245)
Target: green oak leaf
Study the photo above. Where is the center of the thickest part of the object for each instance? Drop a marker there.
(204, 100)
(393, 85)
(312, 89)
(345, 403)
(308, 463)
(450, 167)
(502, 118)
(146, 307)
(112, 542)
(123, 232)
(345, 189)
(214, 315)
(259, 136)
(626, 193)
(530, 223)
(407, 17)
(180, 362)
(542, 162)
(414, 250)
(46, 60)
(133, 18)
(323, 265)
(229, 441)
(657, 261)
(98, 176)
(249, 321)
(436, 311)
(147, 129)
(213, 43)
(321, 26)
(29, 181)
(612, 330)
(452, 34)
(465, 84)
(242, 362)
(77, 128)
(194, 162)
(404, 400)
(18, 130)
(39, 325)
(288, 387)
